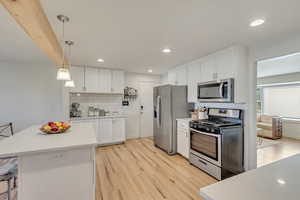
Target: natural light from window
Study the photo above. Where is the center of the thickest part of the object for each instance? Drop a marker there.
(282, 101)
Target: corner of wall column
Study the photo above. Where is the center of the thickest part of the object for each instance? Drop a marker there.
(251, 120)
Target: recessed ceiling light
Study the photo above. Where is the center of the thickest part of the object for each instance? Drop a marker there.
(281, 182)
(150, 70)
(100, 60)
(166, 50)
(257, 22)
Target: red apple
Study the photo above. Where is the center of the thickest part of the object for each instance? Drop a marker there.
(54, 129)
(52, 124)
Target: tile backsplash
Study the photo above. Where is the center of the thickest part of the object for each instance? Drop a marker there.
(108, 102)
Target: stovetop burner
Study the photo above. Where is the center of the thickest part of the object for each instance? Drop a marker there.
(215, 123)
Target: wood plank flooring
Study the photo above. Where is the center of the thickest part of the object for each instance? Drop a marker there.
(137, 170)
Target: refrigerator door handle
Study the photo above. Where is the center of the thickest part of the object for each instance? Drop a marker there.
(158, 111)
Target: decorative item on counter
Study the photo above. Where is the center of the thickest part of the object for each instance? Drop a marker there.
(95, 112)
(55, 127)
(74, 111)
(199, 113)
(195, 115)
(202, 113)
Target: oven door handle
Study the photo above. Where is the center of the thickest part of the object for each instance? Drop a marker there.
(204, 133)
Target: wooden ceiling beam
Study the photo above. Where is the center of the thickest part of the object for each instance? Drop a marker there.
(30, 15)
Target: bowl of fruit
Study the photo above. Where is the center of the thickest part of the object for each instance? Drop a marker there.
(55, 127)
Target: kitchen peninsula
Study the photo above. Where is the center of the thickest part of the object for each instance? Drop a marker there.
(276, 181)
(49, 163)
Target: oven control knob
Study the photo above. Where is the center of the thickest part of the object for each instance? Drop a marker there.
(207, 129)
(212, 130)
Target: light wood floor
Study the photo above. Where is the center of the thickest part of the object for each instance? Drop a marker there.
(286, 148)
(137, 170)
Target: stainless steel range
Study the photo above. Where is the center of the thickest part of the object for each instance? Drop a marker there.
(217, 143)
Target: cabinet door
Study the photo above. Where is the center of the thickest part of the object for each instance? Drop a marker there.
(104, 80)
(118, 130)
(183, 140)
(91, 79)
(208, 69)
(186, 143)
(194, 72)
(118, 82)
(172, 77)
(181, 75)
(77, 74)
(225, 64)
(179, 141)
(105, 131)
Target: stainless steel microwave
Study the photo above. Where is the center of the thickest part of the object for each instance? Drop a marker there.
(216, 91)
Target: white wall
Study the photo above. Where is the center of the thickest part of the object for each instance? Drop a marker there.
(30, 94)
(133, 110)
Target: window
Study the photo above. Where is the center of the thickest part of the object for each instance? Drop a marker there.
(282, 101)
(258, 100)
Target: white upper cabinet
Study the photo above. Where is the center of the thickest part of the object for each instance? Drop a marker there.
(178, 76)
(94, 80)
(194, 72)
(228, 63)
(225, 65)
(208, 69)
(104, 82)
(91, 79)
(77, 74)
(118, 81)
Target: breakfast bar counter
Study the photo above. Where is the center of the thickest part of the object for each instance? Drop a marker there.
(57, 166)
(276, 181)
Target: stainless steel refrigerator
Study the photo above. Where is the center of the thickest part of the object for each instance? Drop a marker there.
(170, 103)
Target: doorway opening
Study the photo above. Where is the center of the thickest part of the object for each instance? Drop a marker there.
(146, 108)
(278, 108)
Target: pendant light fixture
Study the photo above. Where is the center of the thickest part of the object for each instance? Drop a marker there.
(69, 83)
(63, 72)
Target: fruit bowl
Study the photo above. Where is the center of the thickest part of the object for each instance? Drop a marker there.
(55, 127)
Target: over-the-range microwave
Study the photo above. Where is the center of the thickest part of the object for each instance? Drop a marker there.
(216, 91)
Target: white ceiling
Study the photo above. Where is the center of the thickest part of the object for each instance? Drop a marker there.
(130, 34)
(277, 66)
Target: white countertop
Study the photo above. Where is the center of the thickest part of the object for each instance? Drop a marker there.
(276, 181)
(31, 140)
(98, 117)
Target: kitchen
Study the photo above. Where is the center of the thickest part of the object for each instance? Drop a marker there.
(129, 127)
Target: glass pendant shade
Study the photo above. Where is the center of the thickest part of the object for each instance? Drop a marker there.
(63, 74)
(70, 84)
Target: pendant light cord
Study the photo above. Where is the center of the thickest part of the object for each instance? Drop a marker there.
(63, 42)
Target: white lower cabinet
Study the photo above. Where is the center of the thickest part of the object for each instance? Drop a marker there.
(108, 130)
(118, 130)
(183, 137)
(111, 131)
(104, 131)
